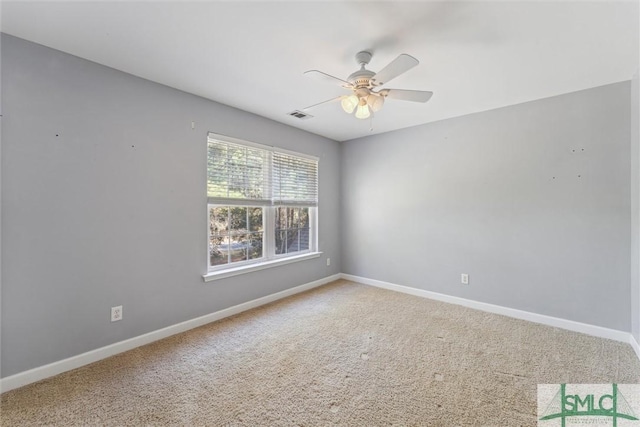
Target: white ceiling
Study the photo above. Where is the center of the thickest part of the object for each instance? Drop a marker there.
(474, 56)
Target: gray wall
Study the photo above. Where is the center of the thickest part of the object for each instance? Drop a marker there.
(104, 203)
(635, 208)
(503, 196)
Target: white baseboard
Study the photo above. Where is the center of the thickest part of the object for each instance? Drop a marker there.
(46, 371)
(570, 325)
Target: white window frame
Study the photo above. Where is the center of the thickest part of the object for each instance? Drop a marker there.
(269, 257)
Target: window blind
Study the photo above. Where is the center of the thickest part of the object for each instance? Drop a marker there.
(241, 174)
(237, 173)
(295, 180)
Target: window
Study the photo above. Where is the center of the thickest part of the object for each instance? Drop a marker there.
(262, 203)
(236, 234)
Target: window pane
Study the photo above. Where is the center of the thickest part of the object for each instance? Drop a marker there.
(293, 245)
(281, 218)
(304, 218)
(289, 216)
(238, 220)
(212, 217)
(255, 245)
(236, 185)
(255, 174)
(218, 250)
(294, 217)
(304, 239)
(235, 162)
(281, 242)
(219, 220)
(238, 248)
(216, 171)
(255, 219)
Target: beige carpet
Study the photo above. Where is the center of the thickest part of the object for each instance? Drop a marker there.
(344, 355)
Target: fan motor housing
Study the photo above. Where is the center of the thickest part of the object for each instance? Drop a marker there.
(361, 78)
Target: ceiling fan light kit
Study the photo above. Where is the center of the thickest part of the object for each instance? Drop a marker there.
(375, 102)
(364, 100)
(349, 103)
(362, 112)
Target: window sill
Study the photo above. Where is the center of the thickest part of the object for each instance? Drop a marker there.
(221, 274)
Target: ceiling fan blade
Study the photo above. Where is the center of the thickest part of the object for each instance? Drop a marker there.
(319, 75)
(407, 95)
(396, 67)
(324, 102)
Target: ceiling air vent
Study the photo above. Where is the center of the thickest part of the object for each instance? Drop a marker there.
(300, 115)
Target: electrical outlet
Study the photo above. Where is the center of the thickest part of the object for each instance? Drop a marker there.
(464, 279)
(328, 261)
(116, 313)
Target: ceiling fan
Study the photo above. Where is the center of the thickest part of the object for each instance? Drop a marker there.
(365, 99)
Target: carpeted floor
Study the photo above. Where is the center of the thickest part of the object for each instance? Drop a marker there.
(344, 354)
